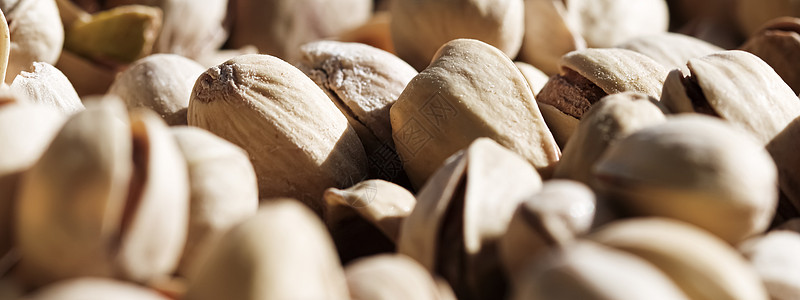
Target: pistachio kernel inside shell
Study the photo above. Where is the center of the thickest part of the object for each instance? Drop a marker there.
(571, 93)
(695, 93)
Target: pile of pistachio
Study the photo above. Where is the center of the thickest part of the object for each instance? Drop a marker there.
(399, 149)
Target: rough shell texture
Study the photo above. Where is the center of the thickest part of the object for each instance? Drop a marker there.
(697, 169)
(299, 143)
(94, 288)
(471, 90)
(390, 277)
(419, 28)
(617, 70)
(672, 50)
(774, 256)
(270, 256)
(36, 34)
(46, 85)
(161, 82)
(703, 266)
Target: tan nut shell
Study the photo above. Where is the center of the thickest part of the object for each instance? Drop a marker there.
(391, 277)
(161, 82)
(223, 190)
(606, 23)
(752, 14)
(46, 85)
(671, 50)
(608, 121)
(740, 88)
(381, 203)
(299, 143)
(536, 78)
(774, 256)
(550, 32)
(704, 266)
(463, 211)
(88, 78)
(617, 70)
(191, 28)
(471, 90)
(555, 216)
(376, 32)
(36, 34)
(778, 44)
(283, 252)
(419, 28)
(94, 288)
(783, 149)
(587, 270)
(697, 169)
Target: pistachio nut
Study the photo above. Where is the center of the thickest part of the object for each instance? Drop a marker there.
(282, 252)
(470, 90)
(364, 82)
(607, 121)
(536, 78)
(161, 82)
(419, 28)
(391, 277)
(46, 85)
(380, 203)
(587, 270)
(87, 77)
(299, 143)
(94, 288)
(553, 217)
(375, 32)
(702, 265)
(25, 132)
(777, 43)
(671, 50)
(783, 149)
(753, 14)
(110, 193)
(587, 76)
(550, 32)
(461, 214)
(121, 35)
(192, 28)
(220, 56)
(36, 34)
(280, 27)
(774, 257)
(222, 187)
(693, 168)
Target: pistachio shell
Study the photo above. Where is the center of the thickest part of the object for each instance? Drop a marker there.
(46, 85)
(607, 121)
(161, 82)
(586, 270)
(463, 211)
(299, 143)
(554, 216)
(671, 50)
(606, 23)
(283, 252)
(381, 203)
(223, 190)
(192, 28)
(536, 79)
(783, 149)
(94, 288)
(390, 277)
(704, 266)
(752, 14)
(88, 77)
(36, 34)
(220, 56)
(550, 32)
(736, 86)
(778, 43)
(774, 256)
(696, 169)
(419, 28)
(470, 90)
(375, 32)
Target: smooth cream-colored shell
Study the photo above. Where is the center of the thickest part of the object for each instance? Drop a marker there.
(617, 70)
(94, 288)
(697, 169)
(671, 50)
(381, 203)
(390, 277)
(606, 23)
(46, 85)
(536, 78)
(550, 32)
(704, 266)
(36, 34)
(299, 143)
(783, 149)
(419, 28)
(192, 28)
(774, 256)
(471, 90)
(282, 252)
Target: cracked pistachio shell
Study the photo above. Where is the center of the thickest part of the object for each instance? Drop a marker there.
(25, 132)
(553, 217)
(752, 14)
(94, 288)
(381, 203)
(702, 265)
(282, 252)
(587, 76)
(671, 50)
(36, 34)
(161, 82)
(299, 143)
(364, 82)
(587, 270)
(774, 257)
(470, 90)
(116, 208)
(697, 169)
(280, 27)
(736, 86)
(783, 149)
(778, 44)
(392, 277)
(222, 187)
(607, 121)
(462, 212)
(536, 78)
(46, 85)
(550, 32)
(419, 28)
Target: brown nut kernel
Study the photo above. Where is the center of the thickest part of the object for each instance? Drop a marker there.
(778, 44)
